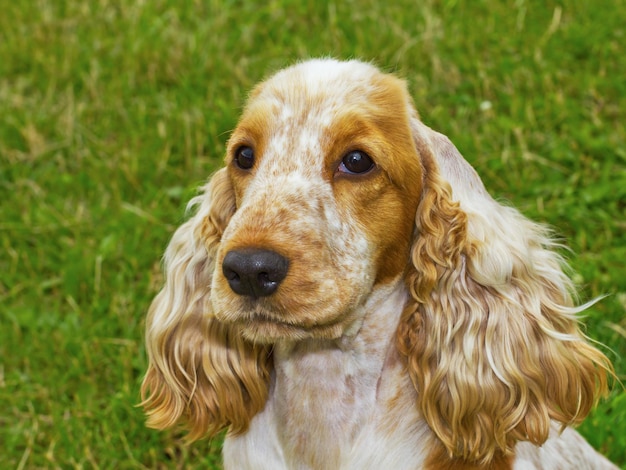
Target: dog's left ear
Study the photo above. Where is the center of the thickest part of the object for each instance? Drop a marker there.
(202, 374)
(491, 334)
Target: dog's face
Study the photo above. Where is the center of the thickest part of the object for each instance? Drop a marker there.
(327, 180)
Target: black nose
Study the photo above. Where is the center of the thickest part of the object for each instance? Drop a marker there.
(254, 272)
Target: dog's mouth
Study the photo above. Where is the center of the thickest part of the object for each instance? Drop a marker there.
(262, 318)
(262, 327)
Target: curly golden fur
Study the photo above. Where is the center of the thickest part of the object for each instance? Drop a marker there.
(202, 372)
(492, 337)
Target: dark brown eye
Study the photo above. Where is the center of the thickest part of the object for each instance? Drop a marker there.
(356, 162)
(244, 157)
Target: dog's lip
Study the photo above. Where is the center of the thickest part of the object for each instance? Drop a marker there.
(262, 317)
(260, 314)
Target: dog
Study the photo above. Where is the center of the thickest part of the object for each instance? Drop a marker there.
(347, 295)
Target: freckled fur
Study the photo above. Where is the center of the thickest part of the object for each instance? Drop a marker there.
(421, 324)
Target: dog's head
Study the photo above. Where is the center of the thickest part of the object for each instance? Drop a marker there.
(326, 182)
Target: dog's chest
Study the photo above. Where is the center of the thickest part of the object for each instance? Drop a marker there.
(322, 403)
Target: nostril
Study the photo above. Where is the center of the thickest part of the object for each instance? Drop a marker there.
(230, 274)
(254, 272)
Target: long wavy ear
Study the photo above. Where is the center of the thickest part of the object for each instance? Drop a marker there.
(201, 373)
(491, 335)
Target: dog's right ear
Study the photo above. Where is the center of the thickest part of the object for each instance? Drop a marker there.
(491, 333)
(201, 373)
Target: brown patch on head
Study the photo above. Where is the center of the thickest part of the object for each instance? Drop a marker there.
(385, 200)
(252, 131)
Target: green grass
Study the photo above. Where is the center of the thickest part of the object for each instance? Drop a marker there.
(112, 112)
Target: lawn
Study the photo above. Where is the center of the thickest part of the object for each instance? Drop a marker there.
(112, 113)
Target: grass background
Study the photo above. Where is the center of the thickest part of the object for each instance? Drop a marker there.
(112, 112)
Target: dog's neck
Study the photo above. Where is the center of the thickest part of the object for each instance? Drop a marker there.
(327, 390)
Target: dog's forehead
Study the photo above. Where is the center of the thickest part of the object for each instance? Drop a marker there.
(322, 76)
(317, 85)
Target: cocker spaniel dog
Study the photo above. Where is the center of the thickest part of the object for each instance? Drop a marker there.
(349, 296)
